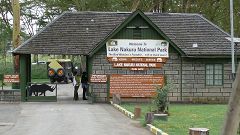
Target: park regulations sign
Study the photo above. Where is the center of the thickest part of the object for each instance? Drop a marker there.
(137, 48)
(11, 79)
(98, 78)
(135, 85)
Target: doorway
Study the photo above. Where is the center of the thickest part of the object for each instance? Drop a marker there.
(57, 91)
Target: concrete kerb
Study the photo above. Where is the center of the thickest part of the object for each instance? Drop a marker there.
(154, 130)
(150, 127)
(124, 111)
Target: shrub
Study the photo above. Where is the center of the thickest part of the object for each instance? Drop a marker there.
(160, 101)
(8, 69)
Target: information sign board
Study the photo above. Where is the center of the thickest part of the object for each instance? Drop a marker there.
(140, 65)
(137, 48)
(98, 78)
(135, 85)
(137, 59)
(11, 79)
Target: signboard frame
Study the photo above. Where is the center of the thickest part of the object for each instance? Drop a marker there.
(137, 59)
(137, 48)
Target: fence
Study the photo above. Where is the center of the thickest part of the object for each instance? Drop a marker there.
(8, 94)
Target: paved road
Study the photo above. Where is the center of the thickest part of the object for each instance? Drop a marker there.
(8, 116)
(67, 117)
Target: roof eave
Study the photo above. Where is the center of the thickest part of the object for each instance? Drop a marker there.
(210, 56)
(15, 51)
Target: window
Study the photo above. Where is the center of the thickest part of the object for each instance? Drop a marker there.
(214, 74)
(137, 33)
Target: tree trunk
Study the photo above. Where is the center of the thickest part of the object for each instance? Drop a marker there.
(16, 31)
(149, 117)
(35, 57)
(158, 6)
(135, 5)
(163, 6)
(232, 119)
(5, 53)
(188, 6)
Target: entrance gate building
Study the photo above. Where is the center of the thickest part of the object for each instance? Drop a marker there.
(129, 53)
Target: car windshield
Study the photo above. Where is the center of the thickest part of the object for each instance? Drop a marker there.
(66, 64)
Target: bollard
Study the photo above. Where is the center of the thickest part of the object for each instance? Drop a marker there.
(198, 131)
(137, 112)
(149, 117)
(116, 99)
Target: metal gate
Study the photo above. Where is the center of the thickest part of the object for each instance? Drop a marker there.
(41, 92)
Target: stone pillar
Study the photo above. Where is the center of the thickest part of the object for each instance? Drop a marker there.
(137, 112)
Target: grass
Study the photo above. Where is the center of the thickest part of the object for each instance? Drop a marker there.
(184, 116)
(38, 71)
(40, 80)
(6, 69)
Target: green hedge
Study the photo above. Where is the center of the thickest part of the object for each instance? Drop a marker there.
(8, 69)
(39, 71)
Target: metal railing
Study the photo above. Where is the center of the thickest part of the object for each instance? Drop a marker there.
(90, 94)
(43, 92)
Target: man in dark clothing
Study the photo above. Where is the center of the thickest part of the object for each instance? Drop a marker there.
(84, 81)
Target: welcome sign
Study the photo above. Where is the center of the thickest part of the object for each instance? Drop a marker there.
(137, 48)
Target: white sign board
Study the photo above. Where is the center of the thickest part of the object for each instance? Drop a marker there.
(137, 48)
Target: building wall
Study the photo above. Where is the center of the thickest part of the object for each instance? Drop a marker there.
(187, 76)
(193, 85)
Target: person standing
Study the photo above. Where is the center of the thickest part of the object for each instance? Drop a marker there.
(84, 81)
(76, 84)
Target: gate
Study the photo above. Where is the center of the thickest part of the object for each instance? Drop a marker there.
(41, 92)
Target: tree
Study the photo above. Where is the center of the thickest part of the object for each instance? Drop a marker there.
(16, 32)
(37, 13)
(4, 34)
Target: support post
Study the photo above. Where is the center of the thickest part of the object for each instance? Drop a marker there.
(232, 36)
(137, 112)
(23, 76)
